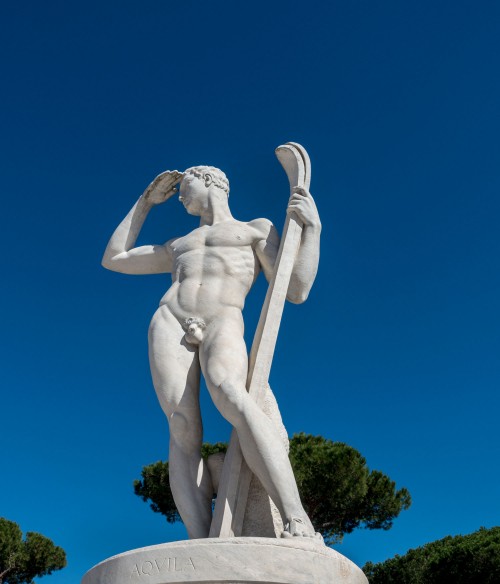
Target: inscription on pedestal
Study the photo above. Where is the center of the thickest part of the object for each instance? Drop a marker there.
(162, 565)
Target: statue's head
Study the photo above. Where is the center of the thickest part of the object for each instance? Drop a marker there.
(217, 177)
(197, 183)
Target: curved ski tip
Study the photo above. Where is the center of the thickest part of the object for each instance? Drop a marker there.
(300, 148)
(293, 144)
(286, 146)
(287, 151)
(296, 147)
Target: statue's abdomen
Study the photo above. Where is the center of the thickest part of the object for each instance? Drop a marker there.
(209, 280)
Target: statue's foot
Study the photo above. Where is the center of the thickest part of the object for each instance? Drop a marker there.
(298, 527)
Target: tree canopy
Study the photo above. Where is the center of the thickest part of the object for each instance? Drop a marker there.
(337, 489)
(155, 487)
(21, 560)
(462, 559)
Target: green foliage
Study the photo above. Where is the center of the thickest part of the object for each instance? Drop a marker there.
(463, 559)
(154, 485)
(337, 489)
(22, 560)
(207, 449)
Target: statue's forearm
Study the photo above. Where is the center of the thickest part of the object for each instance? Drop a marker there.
(306, 265)
(125, 235)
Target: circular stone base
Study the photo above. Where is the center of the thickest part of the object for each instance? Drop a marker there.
(238, 560)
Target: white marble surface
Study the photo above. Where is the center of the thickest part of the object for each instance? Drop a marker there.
(198, 328)
(238, 471)
(262, 518)
(240, 560)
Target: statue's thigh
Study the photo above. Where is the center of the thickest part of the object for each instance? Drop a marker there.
(174, 365)
(223, 355)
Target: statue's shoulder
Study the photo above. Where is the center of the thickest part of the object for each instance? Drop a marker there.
(262, 227)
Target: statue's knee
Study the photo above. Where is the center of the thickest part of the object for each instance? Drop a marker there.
(231, 402)
(185, 433)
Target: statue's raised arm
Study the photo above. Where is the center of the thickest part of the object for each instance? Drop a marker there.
(120, 254)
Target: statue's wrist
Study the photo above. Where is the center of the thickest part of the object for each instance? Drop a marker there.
(314, 226)
(145, 203)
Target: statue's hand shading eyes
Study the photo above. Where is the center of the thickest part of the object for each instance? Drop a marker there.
(163, 187)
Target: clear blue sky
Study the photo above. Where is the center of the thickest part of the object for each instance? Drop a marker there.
(396, 353)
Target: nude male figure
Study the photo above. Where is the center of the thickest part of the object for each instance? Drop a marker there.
(199, 326)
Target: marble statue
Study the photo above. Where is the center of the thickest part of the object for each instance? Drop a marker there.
(259, 532)
(199, 326)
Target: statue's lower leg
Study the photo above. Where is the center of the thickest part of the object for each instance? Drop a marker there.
(267, 458)
(192, 489)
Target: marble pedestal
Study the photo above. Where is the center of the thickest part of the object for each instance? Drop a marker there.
(239, 560)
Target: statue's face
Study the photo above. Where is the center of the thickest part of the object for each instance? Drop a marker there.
(193, 194)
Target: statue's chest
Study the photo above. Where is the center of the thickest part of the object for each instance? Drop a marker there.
(222, 235)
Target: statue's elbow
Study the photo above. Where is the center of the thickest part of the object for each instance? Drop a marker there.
(297, 297)
(107, 263)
